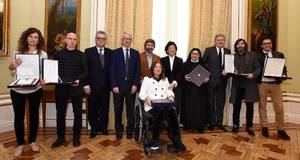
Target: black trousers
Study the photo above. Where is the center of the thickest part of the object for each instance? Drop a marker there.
(62, 95)
(216, 101)
(98, 108)
(118, 108)
(178, 98)
(240, 92)
(168, 114)
(18, 101)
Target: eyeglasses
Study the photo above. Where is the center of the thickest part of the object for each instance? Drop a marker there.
(267, 43)
(100, 38)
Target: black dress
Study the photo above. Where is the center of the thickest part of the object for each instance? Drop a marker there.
(195, 100)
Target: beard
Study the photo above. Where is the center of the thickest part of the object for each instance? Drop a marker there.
(149, 50)
(241, 50)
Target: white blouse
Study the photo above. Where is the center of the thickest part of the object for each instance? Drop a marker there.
(155, 90)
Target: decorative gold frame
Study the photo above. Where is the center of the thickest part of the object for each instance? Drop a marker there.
(78, 17)
(4, 49)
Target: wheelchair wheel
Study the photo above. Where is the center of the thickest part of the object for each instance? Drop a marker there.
(138, 124)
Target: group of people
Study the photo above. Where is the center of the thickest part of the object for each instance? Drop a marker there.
(124, 72)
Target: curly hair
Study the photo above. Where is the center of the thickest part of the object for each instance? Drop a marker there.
(23, 44)
(162, 75)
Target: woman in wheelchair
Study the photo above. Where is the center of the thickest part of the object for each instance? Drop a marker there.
(156, 87)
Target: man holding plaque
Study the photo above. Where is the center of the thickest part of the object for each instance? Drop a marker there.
(214, 60)
(271, 86)
(72, 69)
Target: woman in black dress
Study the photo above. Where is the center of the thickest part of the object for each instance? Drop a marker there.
(195, 98)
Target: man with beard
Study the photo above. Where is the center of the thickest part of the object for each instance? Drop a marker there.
(147, 58)
(244, 85)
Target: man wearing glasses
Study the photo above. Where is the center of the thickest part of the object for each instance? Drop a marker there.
(98, 84)
(271, 86)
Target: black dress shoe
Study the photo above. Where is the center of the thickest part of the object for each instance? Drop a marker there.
(235, 129)
(265, 132)
(105, 132)
(200, 130)
(129, 134)
(119, 135)
(221, 127)
(76, 142)
(93, 134)
(210, 127)
(283, 135)
(172, 149)
(58, 142)
(250, 131)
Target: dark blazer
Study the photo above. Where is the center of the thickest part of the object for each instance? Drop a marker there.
(118, 69)
(211, 59)
(261, 60)
(98, 76)
(177, 73)
(251, 90)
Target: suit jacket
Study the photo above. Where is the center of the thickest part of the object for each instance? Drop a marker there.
(98, 76)
(211, 59)
(261, 60)
(118, 69)
(145, 71)
(177, 73)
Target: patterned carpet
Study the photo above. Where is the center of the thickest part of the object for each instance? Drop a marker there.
(209, 146)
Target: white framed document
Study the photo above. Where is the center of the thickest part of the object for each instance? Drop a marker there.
(229, 63)
(274, 67)
(50, 71)
(28, 72)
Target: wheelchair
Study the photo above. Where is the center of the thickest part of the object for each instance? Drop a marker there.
(143, 128)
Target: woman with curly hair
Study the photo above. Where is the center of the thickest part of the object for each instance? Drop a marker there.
(31, 41)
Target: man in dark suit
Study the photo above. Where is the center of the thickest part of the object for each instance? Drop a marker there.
(214, 59)
(98, 84)
(174, 72)
(125, 77)
(270, 85)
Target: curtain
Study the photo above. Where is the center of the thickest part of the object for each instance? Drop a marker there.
(209, 18)
(132, 16)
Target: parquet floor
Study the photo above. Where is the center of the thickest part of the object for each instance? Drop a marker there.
(214, 145)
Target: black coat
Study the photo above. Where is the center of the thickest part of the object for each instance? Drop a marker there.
(211, 60)
(98, 76)
(251, 90)
(177, 71)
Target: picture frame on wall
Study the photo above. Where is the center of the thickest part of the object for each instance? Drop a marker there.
(262, 22)
(62, 17)
(4, 26)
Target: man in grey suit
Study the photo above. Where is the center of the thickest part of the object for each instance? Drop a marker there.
(214, 59)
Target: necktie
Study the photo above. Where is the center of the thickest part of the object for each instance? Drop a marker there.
(101, 57)
(127, 61)
(220, 57)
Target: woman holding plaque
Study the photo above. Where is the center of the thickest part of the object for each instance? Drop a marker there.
(31, 41)
(195, 98)
(156, 87)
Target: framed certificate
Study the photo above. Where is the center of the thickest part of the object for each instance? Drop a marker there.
(28, 72)
(229, 63)
(274, 67)
(198, 75)
(50, 73)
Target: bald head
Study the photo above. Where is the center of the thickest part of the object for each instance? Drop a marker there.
(71, 41)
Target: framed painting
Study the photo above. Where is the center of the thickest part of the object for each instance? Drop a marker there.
(4, 26)
(62, 17)
(262, 22)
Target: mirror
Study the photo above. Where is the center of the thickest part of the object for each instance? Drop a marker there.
(4, 6)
